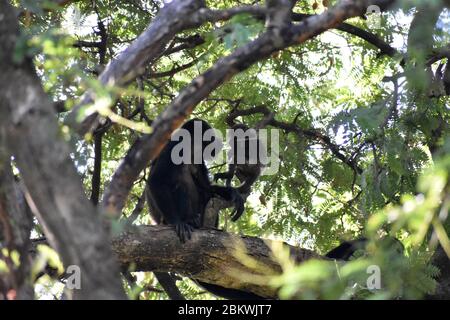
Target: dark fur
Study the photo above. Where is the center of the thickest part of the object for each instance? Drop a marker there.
(346, 249)
(178, 193)
(247, 173)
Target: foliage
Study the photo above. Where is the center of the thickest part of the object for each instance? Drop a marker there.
(334, 84)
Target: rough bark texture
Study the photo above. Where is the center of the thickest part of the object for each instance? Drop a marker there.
(210, 256)
(15, 227)
(56, 195)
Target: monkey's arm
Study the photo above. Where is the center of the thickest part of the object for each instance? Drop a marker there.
(232, 195)
(200, 176)
(248, 175)
(228, 175)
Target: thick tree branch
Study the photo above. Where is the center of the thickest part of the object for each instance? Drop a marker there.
(15, 226)
(371, 38)
(174, 18)
(145, 49)
(384, 47)
(211, 256)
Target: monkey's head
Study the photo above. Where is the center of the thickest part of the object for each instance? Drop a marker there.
(203, 138)
(190, 125)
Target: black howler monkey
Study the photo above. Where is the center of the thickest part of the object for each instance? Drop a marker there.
(178, 193)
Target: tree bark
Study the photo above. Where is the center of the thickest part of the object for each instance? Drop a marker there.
(211, 256)
(16, 222)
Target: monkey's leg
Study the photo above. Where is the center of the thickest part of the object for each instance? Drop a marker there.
(228, 176)
(177, 208)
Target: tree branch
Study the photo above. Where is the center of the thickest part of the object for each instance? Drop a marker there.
(211, 256)
(371, 38)
(173, 71)
(312, 133)
(177, 16)
(97, 173)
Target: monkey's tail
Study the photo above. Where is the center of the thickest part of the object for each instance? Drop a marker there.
(346, 249)
(227, 293)
(168, 283)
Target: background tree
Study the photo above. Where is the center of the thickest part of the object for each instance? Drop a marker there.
(90, 92)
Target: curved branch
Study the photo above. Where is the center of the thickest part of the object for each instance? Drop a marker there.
(371, 38)
(145, 49)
